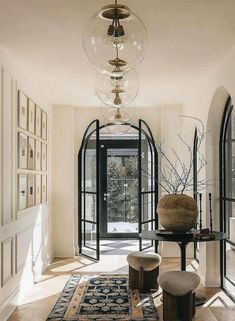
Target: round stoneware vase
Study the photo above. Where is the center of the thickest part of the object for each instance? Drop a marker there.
(177, 212)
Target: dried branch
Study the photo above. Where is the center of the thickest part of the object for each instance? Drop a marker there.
(178, 178)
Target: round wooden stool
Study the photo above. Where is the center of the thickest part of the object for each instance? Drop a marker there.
(143, 270)
(178, 294)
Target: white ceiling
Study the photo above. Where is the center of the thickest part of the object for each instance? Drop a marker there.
(186, 39)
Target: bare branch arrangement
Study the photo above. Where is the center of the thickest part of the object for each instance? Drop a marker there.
(175, 176)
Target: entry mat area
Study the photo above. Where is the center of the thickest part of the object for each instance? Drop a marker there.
(102, 298)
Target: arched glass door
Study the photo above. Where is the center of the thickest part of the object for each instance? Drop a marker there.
(89, 192)
(148, 187)
(94, 194)
(227, 196)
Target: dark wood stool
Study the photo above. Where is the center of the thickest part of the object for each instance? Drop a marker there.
(143, 280)
(143, 270)
(178, 307)
(178, 294)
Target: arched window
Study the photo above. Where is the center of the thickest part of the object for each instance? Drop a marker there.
(195, 187)
(227, 195)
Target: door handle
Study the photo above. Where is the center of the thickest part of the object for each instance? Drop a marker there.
(106, 195)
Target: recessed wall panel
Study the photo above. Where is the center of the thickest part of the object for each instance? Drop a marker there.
(7, 153)
(23, 248)
(7, 260)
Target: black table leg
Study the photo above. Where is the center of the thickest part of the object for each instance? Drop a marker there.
(183, 246)
(199, 299)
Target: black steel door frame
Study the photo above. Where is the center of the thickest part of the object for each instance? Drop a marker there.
(81, 177)
(223, 194)
(147, 134)
(82, 192)
(104, 145)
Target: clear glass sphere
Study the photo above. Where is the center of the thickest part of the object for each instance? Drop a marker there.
(115, 32)
(117, 89)
(117, 116)
(118, 129)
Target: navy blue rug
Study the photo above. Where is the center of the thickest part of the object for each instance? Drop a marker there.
(102, 298)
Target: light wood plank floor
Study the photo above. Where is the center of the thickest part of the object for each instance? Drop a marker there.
(37, 305)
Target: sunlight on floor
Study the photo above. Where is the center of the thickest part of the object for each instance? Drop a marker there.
(37, 305)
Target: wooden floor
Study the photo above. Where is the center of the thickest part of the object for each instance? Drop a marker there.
(37, 305)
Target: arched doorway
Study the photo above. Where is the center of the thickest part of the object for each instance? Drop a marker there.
(111, 198)
(227, 196)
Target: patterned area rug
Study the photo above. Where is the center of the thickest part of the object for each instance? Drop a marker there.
(102, 298)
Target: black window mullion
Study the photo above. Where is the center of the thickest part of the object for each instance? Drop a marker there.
(226, 185)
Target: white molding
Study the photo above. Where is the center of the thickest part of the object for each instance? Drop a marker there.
(211, 280)
(30, 210)
(6, 141)
(1, 143)
(9, 305)
(25, 132)
(66, 251)
(22, 232)
(3, 279)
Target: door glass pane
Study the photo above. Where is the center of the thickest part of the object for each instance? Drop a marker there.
(122, 190)
(146, 165)
(82, 206)
(90, 166)
(230, 261)
(90, 235)
(90, 207)
(147, 226)
(230, 158)
(82, 170)
(233, 125)
(147, 207)
(230, 217)
(146, 243)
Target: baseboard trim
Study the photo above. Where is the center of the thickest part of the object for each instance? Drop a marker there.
(9, 305)
(11, 302)
(211, 280)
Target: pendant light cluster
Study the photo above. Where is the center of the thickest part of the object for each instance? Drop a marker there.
(115, 42)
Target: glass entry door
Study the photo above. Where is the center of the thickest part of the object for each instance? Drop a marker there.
(88, 159)
(148, 187)
(117, 187)
(119, 211)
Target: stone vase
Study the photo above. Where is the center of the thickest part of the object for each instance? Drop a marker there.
(177, 212)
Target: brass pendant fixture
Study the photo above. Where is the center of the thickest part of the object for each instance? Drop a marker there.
(115, 26)
(115, 41)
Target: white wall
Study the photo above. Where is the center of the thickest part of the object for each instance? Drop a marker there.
(63, 180)
(25, 236)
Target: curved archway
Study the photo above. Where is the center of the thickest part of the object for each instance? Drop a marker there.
(93, 185)
(210, 253)
(212, 148)
(227, 196)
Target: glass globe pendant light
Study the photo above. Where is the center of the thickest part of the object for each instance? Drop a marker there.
(117, 89)
(117, 115)
(117, 120)
(115, 29)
